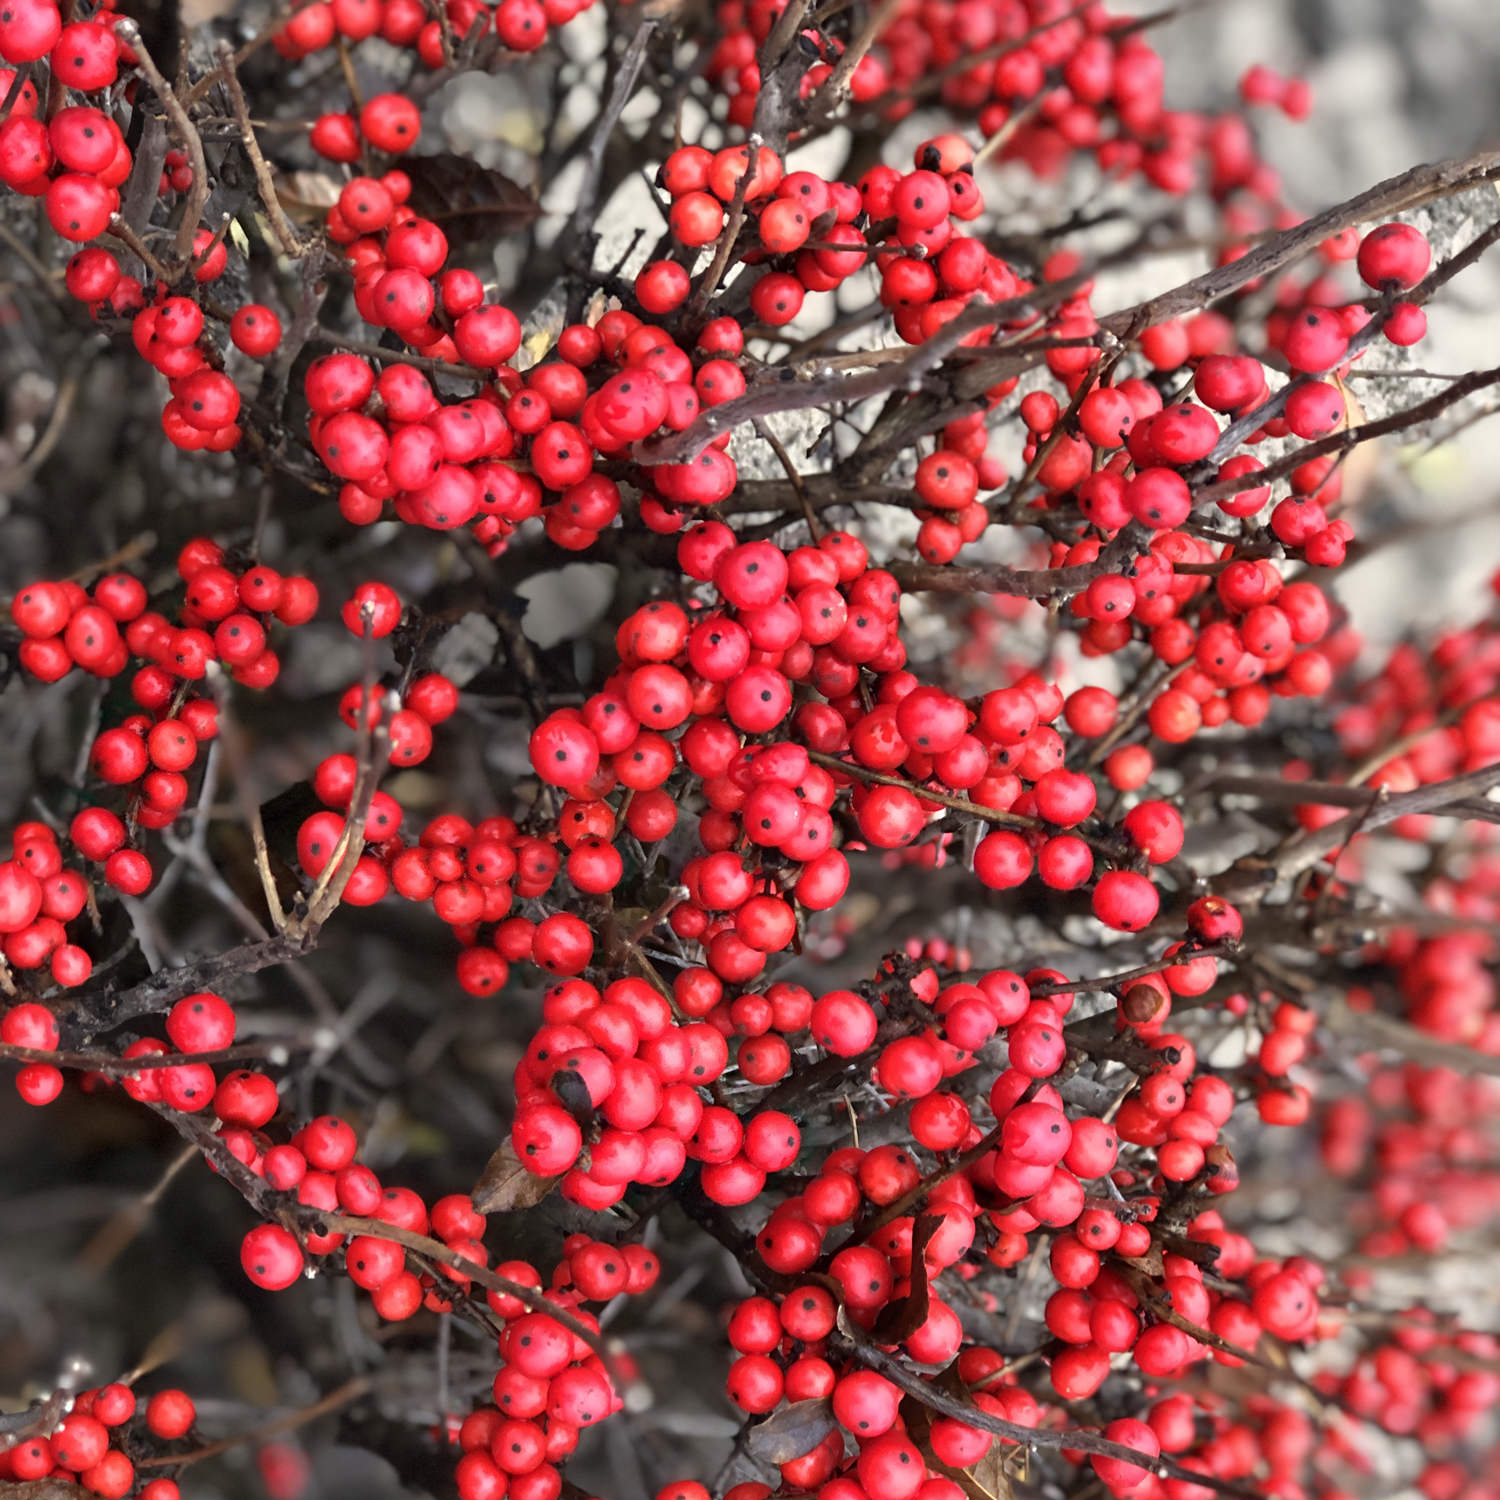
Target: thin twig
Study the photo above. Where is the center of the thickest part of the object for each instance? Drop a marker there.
(350, 1391)
(580, 231)
(120, 230)
(187, 135)
(288, 239)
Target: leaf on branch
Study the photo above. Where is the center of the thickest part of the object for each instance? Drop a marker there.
(506, 1183)
(469, 201)
(1150, 1264)
(991, 1476)
(1359, 467)
(306, 197)
(900, 1319)
(794, 1431)
(573, 1094)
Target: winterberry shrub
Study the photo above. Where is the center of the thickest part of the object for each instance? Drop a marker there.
(964, 945)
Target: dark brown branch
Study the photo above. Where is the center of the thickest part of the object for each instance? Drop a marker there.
(105, 1062)
(1351, 437)
(929, 1395)
(579, 236)
(350, 1391)
(1406, 190)
(88, 1015)
(1025, 583)
(187, 134)
(1305, 850)
(288, 240)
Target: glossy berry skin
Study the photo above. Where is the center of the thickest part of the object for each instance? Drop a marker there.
(1394, 255)
(256, 330)
(271, 1257)
(170, 1414)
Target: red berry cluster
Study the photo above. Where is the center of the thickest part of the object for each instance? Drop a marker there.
(1417, 1145)
(1050, 79)
(1097, 1312)
(550, 1384)
(518, 25)
(223, 621)
(75, 159)
(92, 1446)
(515, 451)
(622, 1055)
(224, 618)
(170, 334)
(39, 896)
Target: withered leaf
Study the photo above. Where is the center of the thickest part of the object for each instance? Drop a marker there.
(472, 203)
(506, 1183)
(989, 1479)
(573, 1094)
(1150, 1263)
(900, 1319)
(307, 196)
(792, 1432)
(991, 1476)
(950, 1382)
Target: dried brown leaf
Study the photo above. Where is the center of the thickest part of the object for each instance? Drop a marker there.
(507, 1183)
(900, 1319)
(306, 197)
(1360, 466)
(472, 203)
(1150, 1263)
(793, 1431)
(991, 1476)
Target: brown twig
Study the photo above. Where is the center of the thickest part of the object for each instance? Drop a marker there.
(945, 799)
(68, 387)
(1406, 190)
(120, 230)
(187, 135)
(288, 240)
(793, 477)
(262, 38)
(728, 240)
(338, 1398)
(1024, 583)
(580, 234)
(328, 889)
(33, 263)
(123, 1067)
(331, 338)
(88, 1014)
(439, 1253)
(836, 87)
(1304, 850)
(1351, 437)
